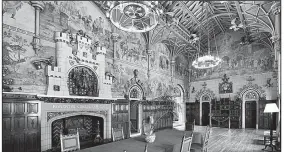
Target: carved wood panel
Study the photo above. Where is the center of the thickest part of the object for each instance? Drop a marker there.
(21, 125)
(19, 142)
(192, 112)
(7, 124)
(32, 108)
(32, 122)
(7, 142)
(6, 109)
(120, 117)
(32, 141)
(19, 108)
(264, 118)
(162, 115)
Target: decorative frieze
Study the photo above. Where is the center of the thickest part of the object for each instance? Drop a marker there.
(55, 114)
(254, 87)
(204, 91)
(73, 100)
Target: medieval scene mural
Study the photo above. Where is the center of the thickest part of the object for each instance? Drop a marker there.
(237, 59)
(74, 16)
(84, 74)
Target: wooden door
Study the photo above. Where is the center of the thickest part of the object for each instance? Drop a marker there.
(134, 116)
(205, 113)
(21, 126)
(250, 114)
(120, 117)
(192, 112)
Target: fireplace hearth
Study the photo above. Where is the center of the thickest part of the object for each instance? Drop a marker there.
(90, 130)
(93, 122)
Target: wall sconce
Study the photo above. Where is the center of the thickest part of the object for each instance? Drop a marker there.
(38, 64)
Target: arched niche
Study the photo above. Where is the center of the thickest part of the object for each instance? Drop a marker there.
(250, 92)
(135, 92)
(82, 81)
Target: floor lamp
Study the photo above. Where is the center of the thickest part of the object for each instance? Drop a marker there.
(270, 108)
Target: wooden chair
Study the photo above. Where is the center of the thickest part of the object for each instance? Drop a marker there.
(145, 150)
(186, 143)
(146, 147)
(117, 134)
(202, 147)
(70, 142)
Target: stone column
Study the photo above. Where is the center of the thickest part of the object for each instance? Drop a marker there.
(148, 56)
(38, 5)
(276, 35)
(172, 69)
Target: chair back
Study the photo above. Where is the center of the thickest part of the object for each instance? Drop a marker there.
(186, 143)
(70, 142)
(206, 139)
(146, 147)
(117, 134)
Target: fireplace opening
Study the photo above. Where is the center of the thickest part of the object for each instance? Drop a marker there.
(90, 130)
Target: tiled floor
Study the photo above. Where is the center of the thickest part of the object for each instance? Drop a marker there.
(234, 140)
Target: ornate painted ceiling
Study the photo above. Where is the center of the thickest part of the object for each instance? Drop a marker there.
(255, 19)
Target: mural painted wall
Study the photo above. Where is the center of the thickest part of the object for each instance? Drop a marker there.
(19, 14)
(75, 16)
(123, 56)
(237, 59)
(17, 55)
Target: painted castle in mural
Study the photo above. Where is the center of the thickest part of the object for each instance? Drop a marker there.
(79, 69)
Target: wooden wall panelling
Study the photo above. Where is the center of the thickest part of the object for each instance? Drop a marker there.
(264, 118)
(192, 112)
(161, 113)
(120, 117)
(21, 125)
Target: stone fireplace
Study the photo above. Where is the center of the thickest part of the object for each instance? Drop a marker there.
(77, 83)
(57, 112)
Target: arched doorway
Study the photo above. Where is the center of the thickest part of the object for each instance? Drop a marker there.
(204, 97)
(206, 110)
(250, 95)
(250, 109)
(179, 109)
(135, 111)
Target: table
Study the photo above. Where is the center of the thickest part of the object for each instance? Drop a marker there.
(168, 140)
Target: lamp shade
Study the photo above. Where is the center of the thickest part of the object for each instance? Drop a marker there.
(271, 107)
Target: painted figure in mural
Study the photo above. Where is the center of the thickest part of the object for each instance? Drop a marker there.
(11, 7)
(95, 26)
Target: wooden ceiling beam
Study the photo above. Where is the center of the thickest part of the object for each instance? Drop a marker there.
(185, 8)
(240, 13)
(216, 19)
(228, 10)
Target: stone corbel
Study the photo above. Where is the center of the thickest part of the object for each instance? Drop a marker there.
(38, 5)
